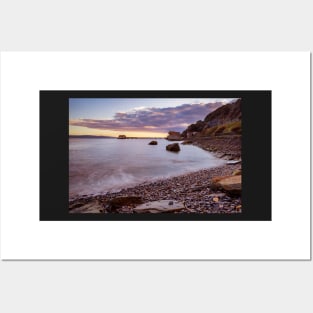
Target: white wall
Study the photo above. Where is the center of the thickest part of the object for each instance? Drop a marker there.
(156, 286)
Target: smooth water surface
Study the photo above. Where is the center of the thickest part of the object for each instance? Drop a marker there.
(102, 165)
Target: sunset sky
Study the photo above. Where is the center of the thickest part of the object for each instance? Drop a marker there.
(137, 117)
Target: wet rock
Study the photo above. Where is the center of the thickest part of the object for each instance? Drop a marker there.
(153, 143)
(173, 147)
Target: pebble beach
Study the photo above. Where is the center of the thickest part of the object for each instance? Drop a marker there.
(192, 189)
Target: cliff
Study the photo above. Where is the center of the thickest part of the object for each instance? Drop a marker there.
(226, 120)
(219, 132)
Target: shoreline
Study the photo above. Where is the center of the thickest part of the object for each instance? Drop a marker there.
(223, 147)
(146, 182)
(192, 190)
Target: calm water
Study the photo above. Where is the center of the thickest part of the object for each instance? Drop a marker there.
(101, 165)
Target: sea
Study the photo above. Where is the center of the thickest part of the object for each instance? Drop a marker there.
(101, 165)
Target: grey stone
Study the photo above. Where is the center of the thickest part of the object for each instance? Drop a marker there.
(159, 206)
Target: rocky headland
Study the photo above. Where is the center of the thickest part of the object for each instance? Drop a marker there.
(219, 132)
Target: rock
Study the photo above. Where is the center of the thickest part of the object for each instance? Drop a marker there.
(174, 136)
(91, 207)
(153, 143)
(237, 172)
(234, 162)
(161, 206)
(187, 142)
(215, 180)
(121, 137)
(173, 147)
(215, 199)
(76, 204)
(230, 184)
(118, 202)
(190, 134)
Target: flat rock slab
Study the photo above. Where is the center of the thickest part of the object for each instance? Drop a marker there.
(161, 206)
(92, 207)
(231, 184)
(233, 162)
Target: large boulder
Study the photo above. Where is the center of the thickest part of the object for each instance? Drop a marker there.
(229, 184)
(173, 147)
(161, 206)
(153, 143)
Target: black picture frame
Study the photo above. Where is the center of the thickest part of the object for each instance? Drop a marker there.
(256, 155)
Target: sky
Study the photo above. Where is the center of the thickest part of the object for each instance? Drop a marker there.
(137, 117)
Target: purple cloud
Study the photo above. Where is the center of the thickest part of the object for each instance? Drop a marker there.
(152, 119)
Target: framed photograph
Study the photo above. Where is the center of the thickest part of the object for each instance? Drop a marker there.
(155, 156)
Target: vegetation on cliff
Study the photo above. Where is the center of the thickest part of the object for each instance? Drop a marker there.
(226, 120)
